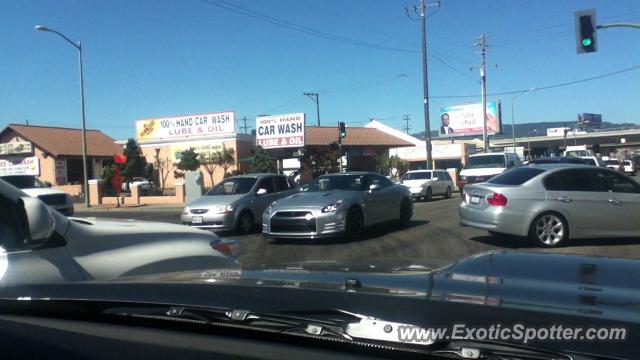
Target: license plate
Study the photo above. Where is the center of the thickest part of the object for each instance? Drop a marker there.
(196, 220)
(475, 200)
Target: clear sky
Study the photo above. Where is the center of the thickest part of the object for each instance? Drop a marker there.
(146, 59)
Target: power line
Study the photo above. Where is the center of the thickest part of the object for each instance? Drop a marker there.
(364, 86)
(303, 29)
(635, 67)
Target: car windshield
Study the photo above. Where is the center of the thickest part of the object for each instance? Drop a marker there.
(337, 182)
(234, 186)
(577, 153)
(422, 175)
(590, 161)
(25, 182)
(612, 162)
(485, 161)
(516, 176)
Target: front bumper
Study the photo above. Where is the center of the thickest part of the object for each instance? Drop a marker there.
(210, 220)
(417, 192)
(303, 223)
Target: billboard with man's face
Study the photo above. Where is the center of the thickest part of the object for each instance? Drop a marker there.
(466, 120)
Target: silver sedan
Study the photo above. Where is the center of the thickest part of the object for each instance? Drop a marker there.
(551, 203)
(338, 205)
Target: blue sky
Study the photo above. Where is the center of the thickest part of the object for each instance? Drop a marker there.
(147, 59)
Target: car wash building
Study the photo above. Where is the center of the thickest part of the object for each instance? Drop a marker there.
(163, 139)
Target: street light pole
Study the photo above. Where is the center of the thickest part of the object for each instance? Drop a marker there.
(425, 83)
(85, 171)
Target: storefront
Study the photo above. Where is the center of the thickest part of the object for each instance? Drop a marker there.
(54, 154)
(445, 154)
(162, 141)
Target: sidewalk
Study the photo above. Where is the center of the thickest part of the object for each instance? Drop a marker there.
(79, 207)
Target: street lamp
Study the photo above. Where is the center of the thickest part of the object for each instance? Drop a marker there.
(513, 119)
(78, 46)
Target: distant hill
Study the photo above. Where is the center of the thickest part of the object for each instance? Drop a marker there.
(540, 129)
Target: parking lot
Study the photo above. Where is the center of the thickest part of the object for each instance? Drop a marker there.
(433, 236)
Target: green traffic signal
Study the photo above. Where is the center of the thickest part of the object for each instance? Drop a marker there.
(587, 42)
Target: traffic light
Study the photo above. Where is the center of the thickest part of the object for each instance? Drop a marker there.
(342, 129)
(586, 41)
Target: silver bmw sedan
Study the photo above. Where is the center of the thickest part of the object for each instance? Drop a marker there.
(338, 205)
(551, 203)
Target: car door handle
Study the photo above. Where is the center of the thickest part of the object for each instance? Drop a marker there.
(564, 199)
(614, 202)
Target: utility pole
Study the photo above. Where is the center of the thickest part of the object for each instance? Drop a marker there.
(425, 81)
(482, 44)
(405, 118)
(244, 127)
(316, 98)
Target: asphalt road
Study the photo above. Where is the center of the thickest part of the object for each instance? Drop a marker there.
(434, 234)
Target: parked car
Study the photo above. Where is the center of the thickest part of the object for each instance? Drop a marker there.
(142, 184)
(484, 166)
(32, 186)
(629, 167)
(336, 205)
(551, 203)
(237, 203)
(615, 164)
(43, 246)
(423, 184)
(593, 160)
(558, 160)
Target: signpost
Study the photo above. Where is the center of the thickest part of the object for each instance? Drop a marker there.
(280, 131)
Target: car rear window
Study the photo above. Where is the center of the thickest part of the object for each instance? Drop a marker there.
(516, 176)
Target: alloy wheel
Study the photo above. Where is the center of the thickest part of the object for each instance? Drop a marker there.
(549, 229)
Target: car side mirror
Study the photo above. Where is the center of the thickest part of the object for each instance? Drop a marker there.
(261, 191)
(435, 178)
(374, 187)
(40, 220)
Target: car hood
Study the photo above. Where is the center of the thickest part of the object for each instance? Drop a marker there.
(313, 198)
(35, 192)
(215, 200)
(132, 228)
(481, 171)
(559, 283)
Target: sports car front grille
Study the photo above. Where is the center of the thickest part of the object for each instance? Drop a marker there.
(293, 222)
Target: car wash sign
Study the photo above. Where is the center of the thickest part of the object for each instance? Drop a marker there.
(20, 166)
(280, 131)
(180, 127)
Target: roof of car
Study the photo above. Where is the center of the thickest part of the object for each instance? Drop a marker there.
(424, 170)
(255, 175)
(491, 153)
(560, 165)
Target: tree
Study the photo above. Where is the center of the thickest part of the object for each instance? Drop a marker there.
(106, 174)
(164, 166)
(383, 165)
(136, 163)
(398, 166)
(226, 159)
(188, 162)
(262, 162)
(210, 161)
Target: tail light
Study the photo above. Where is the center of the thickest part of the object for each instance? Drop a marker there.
(497, 199)
(227, 247)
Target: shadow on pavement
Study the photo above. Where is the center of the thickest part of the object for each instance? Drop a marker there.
(370, 233)
(517, 242)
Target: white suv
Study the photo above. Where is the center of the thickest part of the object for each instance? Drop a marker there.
(482, 167)
(423, 184)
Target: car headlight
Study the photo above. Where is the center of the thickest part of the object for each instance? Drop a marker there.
(221, 209)
(332, 207)
(185, 211)
(268, 209)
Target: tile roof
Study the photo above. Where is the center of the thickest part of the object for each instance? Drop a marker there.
(65, 141)
(356, 136)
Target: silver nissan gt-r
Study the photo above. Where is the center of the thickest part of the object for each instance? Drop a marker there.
(335, 205)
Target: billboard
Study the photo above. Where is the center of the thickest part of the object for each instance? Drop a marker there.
(587, 119)
(280, 131)
(466, 120)
(21, 166)
(176, 127)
